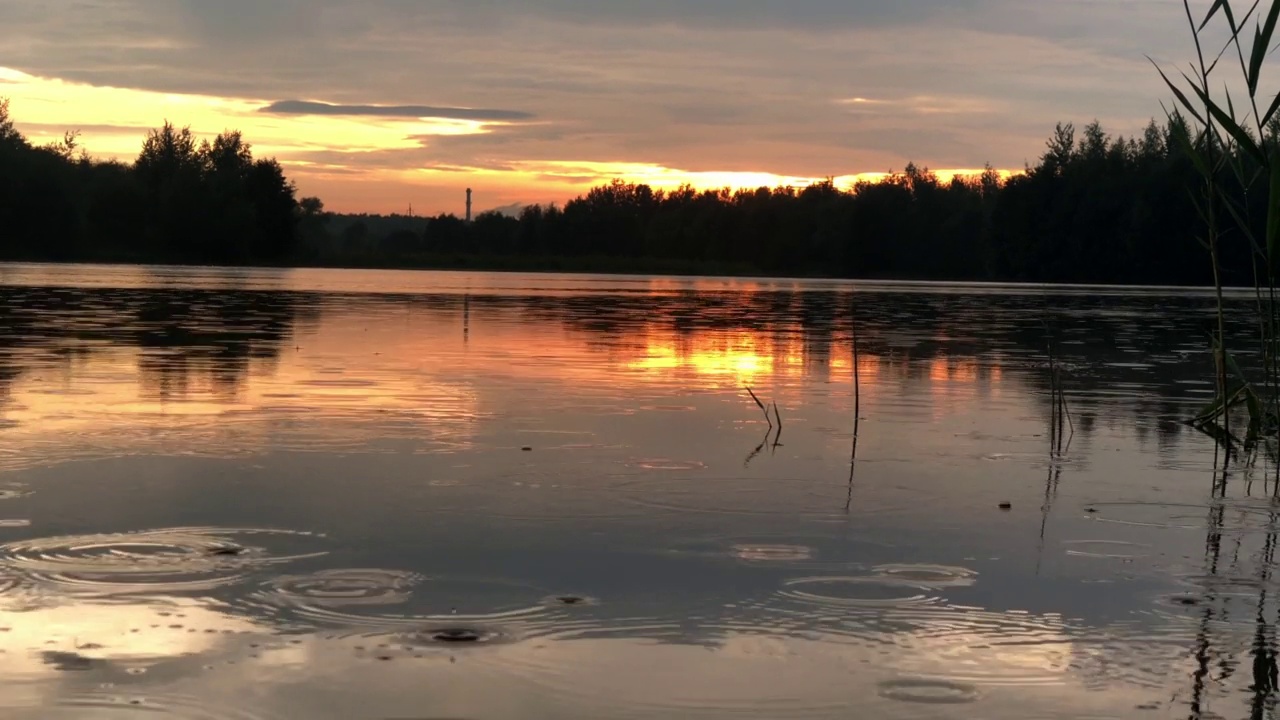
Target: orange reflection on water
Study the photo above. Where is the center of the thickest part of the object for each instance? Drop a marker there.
(943, 369)
(369, 371)
(742, 357)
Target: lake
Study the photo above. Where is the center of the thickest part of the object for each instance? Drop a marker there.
(282, 494)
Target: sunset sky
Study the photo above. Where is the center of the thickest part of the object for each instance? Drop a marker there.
(376, 105)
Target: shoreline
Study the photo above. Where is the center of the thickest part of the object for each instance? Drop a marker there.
(607, 266)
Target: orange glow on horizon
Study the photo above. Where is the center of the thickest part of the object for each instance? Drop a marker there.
(326, 154)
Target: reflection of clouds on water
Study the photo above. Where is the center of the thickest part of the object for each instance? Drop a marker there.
(124, 634)
(355, 405)
(58, 659)
(574, 660)
(749, 672)
(225, 362)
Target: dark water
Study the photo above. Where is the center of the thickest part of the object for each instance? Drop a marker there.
(307, 494)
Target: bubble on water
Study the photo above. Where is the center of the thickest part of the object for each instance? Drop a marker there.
(934, 692)
(857, 590)
(667, 465)
(571, 601)
(776, 553)
(457, 635)
(935, 576)
(440, 634)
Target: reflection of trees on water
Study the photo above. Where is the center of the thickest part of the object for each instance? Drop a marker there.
(184, 335)
(181, 335)
(1147, 354)
(1135, 361)
(1236, 635)
(1131, 360)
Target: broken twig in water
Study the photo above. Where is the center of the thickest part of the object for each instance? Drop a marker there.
(857, 417)
(777, 437)
(774, 430)
(759, 449)
(762, 407)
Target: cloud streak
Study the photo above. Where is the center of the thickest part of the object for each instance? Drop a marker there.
(715, 86)
(305, 107)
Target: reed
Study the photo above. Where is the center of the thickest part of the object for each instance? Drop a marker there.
(1062, 428)
(1234, 148)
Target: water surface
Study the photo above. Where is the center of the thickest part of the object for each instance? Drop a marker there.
(352, 494)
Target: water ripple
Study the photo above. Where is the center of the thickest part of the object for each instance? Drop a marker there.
(173, 560)
(346, 587)
(933, 692)
(109, 704)
(866, 591)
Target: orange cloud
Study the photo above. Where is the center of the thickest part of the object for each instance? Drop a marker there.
(118, 118)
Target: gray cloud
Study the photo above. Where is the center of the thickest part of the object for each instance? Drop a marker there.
(88, 128)
(711, 14)
(303, 107)
(707, 85)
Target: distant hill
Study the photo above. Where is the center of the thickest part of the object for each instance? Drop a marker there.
(512, 210)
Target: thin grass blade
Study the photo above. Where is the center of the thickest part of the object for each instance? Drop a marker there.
(1255, 414)
(1273, 217)
(1256, 56)
(1233, 128)
(1234, 39)
(1177, 92)
(1263, 39)
(1220, 405)
(1184, 141)
(1271, 110)
(1217, 5)
(1231, 205)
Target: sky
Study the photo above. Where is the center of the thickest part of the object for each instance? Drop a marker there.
(387, 105)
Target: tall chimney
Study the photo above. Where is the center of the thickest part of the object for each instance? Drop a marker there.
(468, 204)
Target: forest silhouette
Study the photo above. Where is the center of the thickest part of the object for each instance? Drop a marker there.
(181, 201)
(1091, 209)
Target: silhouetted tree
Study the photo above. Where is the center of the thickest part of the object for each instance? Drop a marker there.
(10, 138)
(181, 201)
(1093, 208)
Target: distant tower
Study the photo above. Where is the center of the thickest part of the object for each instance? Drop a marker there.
(468, 204)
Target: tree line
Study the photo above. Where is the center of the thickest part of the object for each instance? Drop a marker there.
(181, 201)
(1092, 208)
